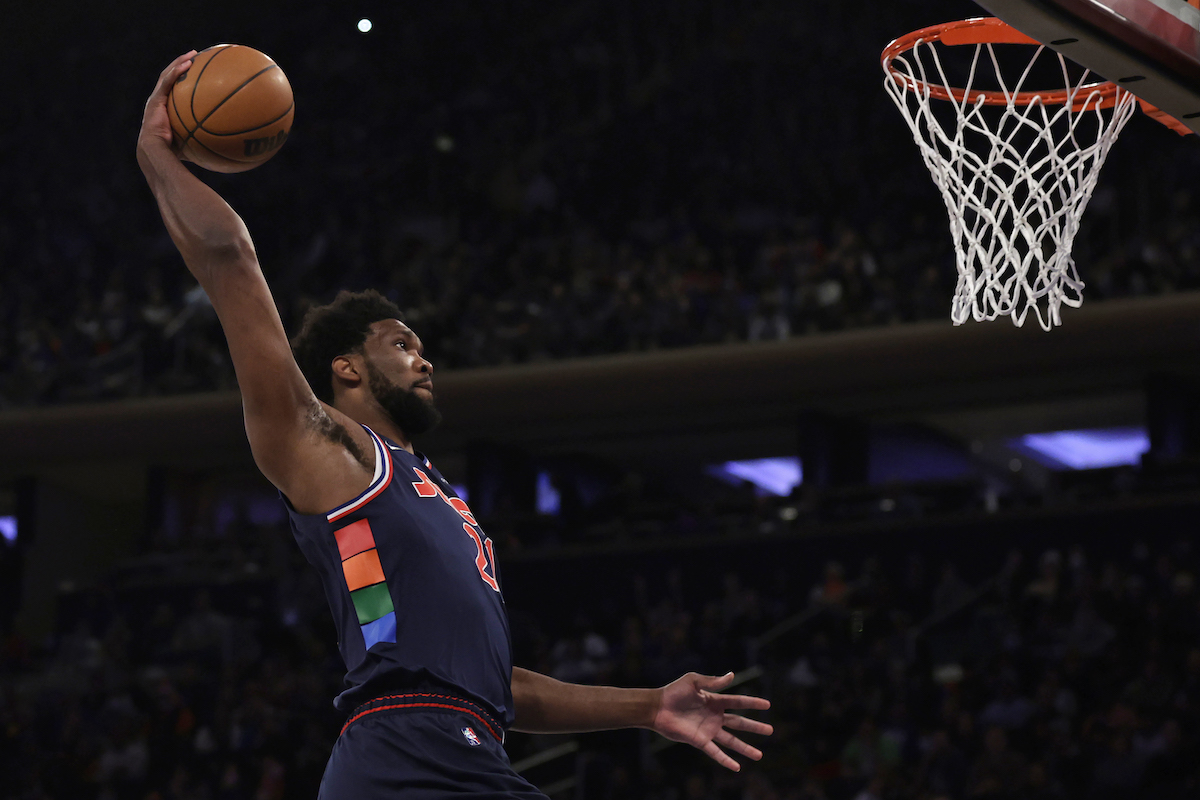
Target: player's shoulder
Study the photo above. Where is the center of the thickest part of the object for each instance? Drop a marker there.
(329, 461)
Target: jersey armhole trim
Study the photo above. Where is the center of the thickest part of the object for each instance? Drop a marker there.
(382, 477)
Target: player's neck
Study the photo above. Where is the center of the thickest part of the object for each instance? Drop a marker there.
(383, 425)
(377, 420)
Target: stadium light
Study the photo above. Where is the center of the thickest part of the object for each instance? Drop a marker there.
(1086, 449)
(549, 501)
(777, 476)
(8, 529)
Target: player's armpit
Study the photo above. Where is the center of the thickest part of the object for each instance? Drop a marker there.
(319, 465)
(320, 421)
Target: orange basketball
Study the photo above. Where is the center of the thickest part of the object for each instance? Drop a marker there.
(232, 109)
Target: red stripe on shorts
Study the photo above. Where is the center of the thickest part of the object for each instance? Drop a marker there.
(477, 713)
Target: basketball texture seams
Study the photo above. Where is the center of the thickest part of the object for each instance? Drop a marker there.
(282, 114)
(265, 92)
(183, 94)
(216, 82)
(232, 110)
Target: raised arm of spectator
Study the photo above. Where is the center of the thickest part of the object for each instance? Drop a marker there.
(314, 454)
(689, 710)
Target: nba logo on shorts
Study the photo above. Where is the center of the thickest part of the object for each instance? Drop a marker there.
(471, 738)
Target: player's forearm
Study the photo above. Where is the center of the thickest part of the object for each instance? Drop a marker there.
(546, 705)
(203, 226)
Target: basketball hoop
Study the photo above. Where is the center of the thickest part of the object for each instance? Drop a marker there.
(1015, 167)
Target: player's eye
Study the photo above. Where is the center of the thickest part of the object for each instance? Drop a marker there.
(402, 345)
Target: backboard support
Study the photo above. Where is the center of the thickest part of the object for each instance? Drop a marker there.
(1150, 47)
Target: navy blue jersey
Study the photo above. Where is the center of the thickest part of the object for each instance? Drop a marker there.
(412, 581)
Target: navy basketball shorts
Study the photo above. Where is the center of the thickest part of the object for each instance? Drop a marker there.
(421, 747)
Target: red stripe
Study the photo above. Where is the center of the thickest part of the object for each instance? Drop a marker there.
(355, 538)
(487, 725)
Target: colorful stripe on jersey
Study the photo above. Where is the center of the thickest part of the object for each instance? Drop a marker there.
(365, 580)
(360, 558)
(379, 482)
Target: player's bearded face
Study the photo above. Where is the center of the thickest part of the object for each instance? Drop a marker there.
(412, 413)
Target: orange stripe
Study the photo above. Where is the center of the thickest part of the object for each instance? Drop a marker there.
(362, 570)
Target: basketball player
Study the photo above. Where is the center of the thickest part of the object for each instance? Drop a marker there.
(410, 576)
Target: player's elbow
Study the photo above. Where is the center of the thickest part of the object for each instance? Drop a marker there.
(217, 246)
(230, 250)
(224, 262)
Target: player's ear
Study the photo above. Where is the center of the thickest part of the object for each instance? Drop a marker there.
(346, 369)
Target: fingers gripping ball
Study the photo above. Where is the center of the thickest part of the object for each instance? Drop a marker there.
(232, 110)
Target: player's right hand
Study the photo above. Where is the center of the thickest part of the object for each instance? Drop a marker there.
(155, 124)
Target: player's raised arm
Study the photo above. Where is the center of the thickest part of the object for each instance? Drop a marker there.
(305, 448)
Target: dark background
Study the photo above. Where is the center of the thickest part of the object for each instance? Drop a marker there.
(662, 235)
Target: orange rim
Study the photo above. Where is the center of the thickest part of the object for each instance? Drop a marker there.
(990, 30)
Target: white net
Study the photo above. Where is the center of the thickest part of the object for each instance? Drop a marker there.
(1015, 176)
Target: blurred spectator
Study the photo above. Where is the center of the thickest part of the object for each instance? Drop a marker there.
(998, 772)
(943, 768)
(833, 589)
(203, 634)
(1008, 711)
(582, 657)
(869, 755)
(950, 592)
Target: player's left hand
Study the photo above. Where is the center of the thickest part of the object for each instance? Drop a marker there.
(692, 711)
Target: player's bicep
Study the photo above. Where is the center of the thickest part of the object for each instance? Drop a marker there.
(310, 451)
(279, 405)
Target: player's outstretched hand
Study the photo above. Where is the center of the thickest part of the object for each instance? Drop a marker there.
(155, 124)
(693, 711)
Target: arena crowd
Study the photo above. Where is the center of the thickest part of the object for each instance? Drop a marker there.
(1056, 673)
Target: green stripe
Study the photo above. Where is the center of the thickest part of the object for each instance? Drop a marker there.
(372, 602)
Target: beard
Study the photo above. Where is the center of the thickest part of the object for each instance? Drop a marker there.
(412, 413)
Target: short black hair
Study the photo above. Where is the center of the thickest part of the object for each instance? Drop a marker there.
(336, 329)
